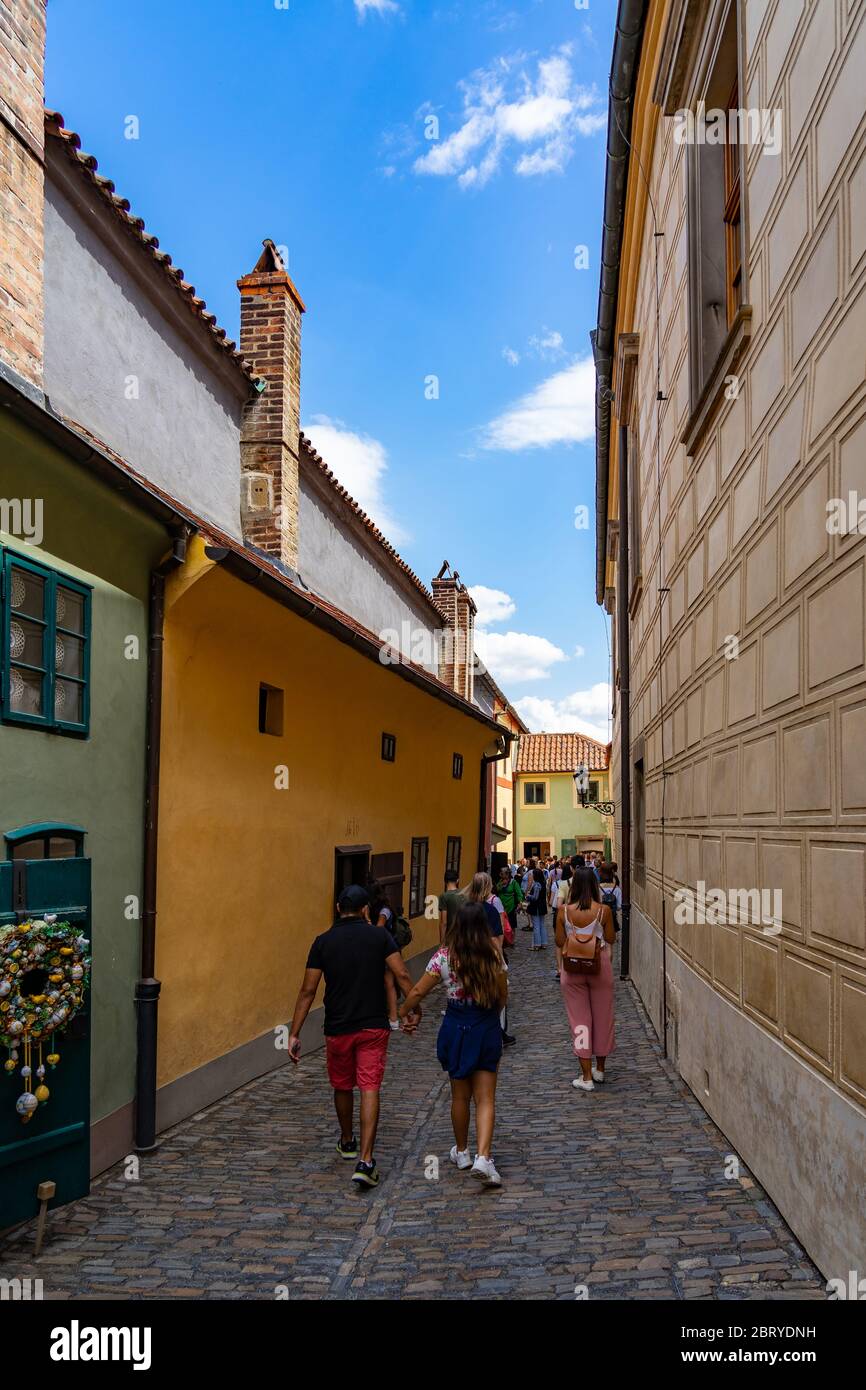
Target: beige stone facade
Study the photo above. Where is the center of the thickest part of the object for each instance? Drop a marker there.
(748, 679)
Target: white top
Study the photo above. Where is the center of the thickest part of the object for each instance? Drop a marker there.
(597, 925)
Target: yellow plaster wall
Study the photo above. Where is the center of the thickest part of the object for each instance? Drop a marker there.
(246, 871)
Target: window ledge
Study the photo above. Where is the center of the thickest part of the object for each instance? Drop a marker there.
(734, 346)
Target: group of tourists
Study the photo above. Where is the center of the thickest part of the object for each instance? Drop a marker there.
(369, 993)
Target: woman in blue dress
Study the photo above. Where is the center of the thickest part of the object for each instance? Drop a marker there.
(469, 1045)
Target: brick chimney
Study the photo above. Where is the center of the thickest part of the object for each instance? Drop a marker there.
(22, 185)
(270, 340)
(456, 653)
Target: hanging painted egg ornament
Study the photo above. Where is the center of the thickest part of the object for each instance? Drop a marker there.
(42, 1093)
(53, 1058)
(26, 1071)
(26, 1103)
(9, 1064)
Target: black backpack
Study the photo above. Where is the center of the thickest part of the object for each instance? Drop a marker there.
(608, 897)
(401, 932)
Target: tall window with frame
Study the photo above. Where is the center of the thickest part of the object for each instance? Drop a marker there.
(733, 235)
(46, 647)
(534, 794)
(453, 851)
(418, 875)
(719, 316)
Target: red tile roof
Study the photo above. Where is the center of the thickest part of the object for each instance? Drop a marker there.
(561, 753)
(86, 164)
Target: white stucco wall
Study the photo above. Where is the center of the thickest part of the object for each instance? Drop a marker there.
(102, 327)
(335, 564)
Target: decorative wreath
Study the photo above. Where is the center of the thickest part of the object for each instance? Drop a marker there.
(44, 972)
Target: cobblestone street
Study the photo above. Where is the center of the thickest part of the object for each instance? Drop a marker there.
(622, 1190)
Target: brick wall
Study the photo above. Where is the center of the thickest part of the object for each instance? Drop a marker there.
(22, 53)
(270, 340)
(456, 664)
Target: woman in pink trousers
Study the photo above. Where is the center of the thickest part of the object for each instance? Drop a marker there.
(588, 998)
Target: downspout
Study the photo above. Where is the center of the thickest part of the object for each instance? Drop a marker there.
(623, 635)
(148, 987)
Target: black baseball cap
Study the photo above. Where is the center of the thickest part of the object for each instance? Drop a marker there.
(353, 899)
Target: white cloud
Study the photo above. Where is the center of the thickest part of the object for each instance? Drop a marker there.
(375, 6)
(580, 651)
(548, 344)
(360, 464)
(493, 605)
(517, 656)
(511, 357)
(559, 411)
(582, 712)
(504, 106)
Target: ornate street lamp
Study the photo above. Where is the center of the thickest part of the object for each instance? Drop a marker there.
(581, 786)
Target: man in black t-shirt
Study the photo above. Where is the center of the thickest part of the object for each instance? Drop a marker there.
(354, 957)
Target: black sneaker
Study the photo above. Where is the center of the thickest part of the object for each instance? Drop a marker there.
(508, 1039)
(366, 1174)
(349, 1149)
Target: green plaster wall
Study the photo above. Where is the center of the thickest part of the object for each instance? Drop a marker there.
(560, 819)
(90, 534)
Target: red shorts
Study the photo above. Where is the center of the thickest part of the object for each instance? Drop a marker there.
(357, 1059)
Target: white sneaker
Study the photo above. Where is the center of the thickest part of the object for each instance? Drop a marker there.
(485, 1169)
(581, 1085)
(597, 1075)
(461, 1157)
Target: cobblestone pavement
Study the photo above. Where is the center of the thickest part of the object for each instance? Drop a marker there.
(622, 1190)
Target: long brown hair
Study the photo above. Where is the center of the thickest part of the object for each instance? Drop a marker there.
(481, 888)
(584, 890)
(472, 957)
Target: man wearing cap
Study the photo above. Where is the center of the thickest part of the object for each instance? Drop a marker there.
(354, 956)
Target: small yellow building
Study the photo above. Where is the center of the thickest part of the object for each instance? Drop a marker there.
(550, 817)
(293, 762)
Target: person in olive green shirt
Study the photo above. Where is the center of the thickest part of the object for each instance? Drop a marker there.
(450, 903)
(510, 893)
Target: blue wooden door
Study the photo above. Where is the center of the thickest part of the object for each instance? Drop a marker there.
(55, 1144)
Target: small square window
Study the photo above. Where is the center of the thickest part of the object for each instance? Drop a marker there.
(271, 700)
(389, 747)
(457, 766)
(533, 794)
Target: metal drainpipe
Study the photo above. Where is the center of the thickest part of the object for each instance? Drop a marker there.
(623, 643)
(148, 987)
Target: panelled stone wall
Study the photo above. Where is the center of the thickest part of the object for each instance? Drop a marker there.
(765, 749)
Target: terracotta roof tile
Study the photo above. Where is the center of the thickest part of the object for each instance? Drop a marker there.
(561, 753)
(87, 165)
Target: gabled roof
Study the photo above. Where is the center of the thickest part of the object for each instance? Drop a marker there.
(253, 567)
(561, 753)
(86, 165)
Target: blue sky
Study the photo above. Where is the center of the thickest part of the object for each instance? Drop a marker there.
(430, 166)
